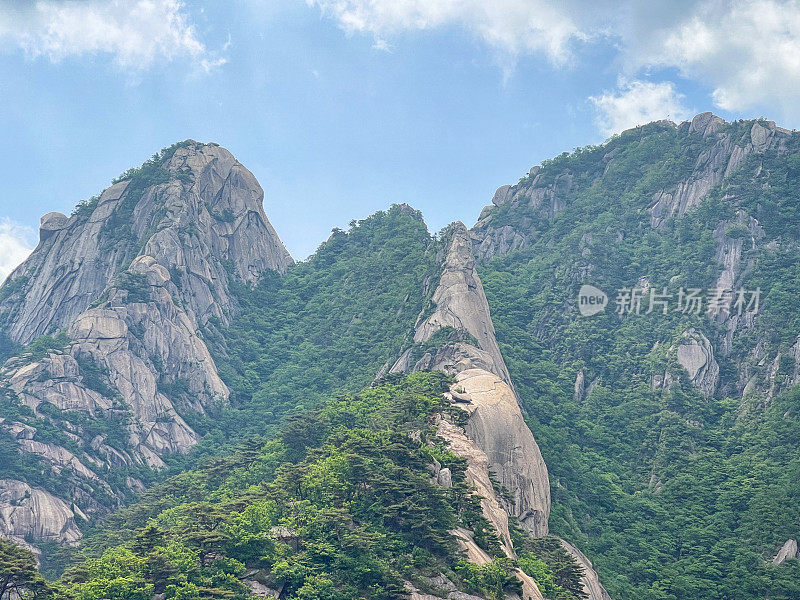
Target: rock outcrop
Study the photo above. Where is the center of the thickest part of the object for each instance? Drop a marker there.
(497, 427)
(592, 587)
(32, 513)
(200, 216)
(696, 355)
(478, 475)
(535, 198)
(460, 303)
(496, 438)
(796, 355)
(496, 424)
(787, 551)
(714, 163)
(130, 280)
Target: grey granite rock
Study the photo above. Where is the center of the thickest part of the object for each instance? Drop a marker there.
(205, 223)
(592, 587)
(32, 513)
(696, 354)
(787, 551)
(461, 304)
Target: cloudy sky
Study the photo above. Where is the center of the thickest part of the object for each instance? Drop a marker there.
(342, 107)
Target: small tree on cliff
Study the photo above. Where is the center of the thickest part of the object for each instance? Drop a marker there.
(18, 575)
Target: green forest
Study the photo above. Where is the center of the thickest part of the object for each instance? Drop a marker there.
(338, 506)
(673, 495)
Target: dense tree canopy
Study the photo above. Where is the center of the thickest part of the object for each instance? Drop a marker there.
(346, 512)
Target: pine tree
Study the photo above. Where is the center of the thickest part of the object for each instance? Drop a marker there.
(18, 574)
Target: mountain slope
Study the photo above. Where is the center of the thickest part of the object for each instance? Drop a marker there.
(341, 504)
(660, 429)
(138, 352)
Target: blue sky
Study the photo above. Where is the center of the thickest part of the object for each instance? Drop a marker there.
(343, 107)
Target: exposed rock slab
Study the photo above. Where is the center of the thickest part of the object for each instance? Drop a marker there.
(461, 304)
(32, 513)
(205, 223)
(497, 426)
(477, 474)
(696, 354)
(496, 438)
(787, 551)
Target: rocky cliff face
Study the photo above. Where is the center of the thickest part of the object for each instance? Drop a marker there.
(787, 551)
(541, 199)
(544, 193)
(695, 354)
(591, 582)
(722, 158)
(497, 427)
(129, 280)
(496, 424)
(726, 163)
(32, 513)
(478, 474)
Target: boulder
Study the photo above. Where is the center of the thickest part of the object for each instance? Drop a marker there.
(51, 223)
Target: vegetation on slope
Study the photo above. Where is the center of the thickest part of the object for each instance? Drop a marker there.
(328, 325)
(340, 505)
(673, 495)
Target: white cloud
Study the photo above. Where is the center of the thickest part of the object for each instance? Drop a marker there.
(748, 52)
(637, 103)
(16, 243)
(511, 26)
(134, 32)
